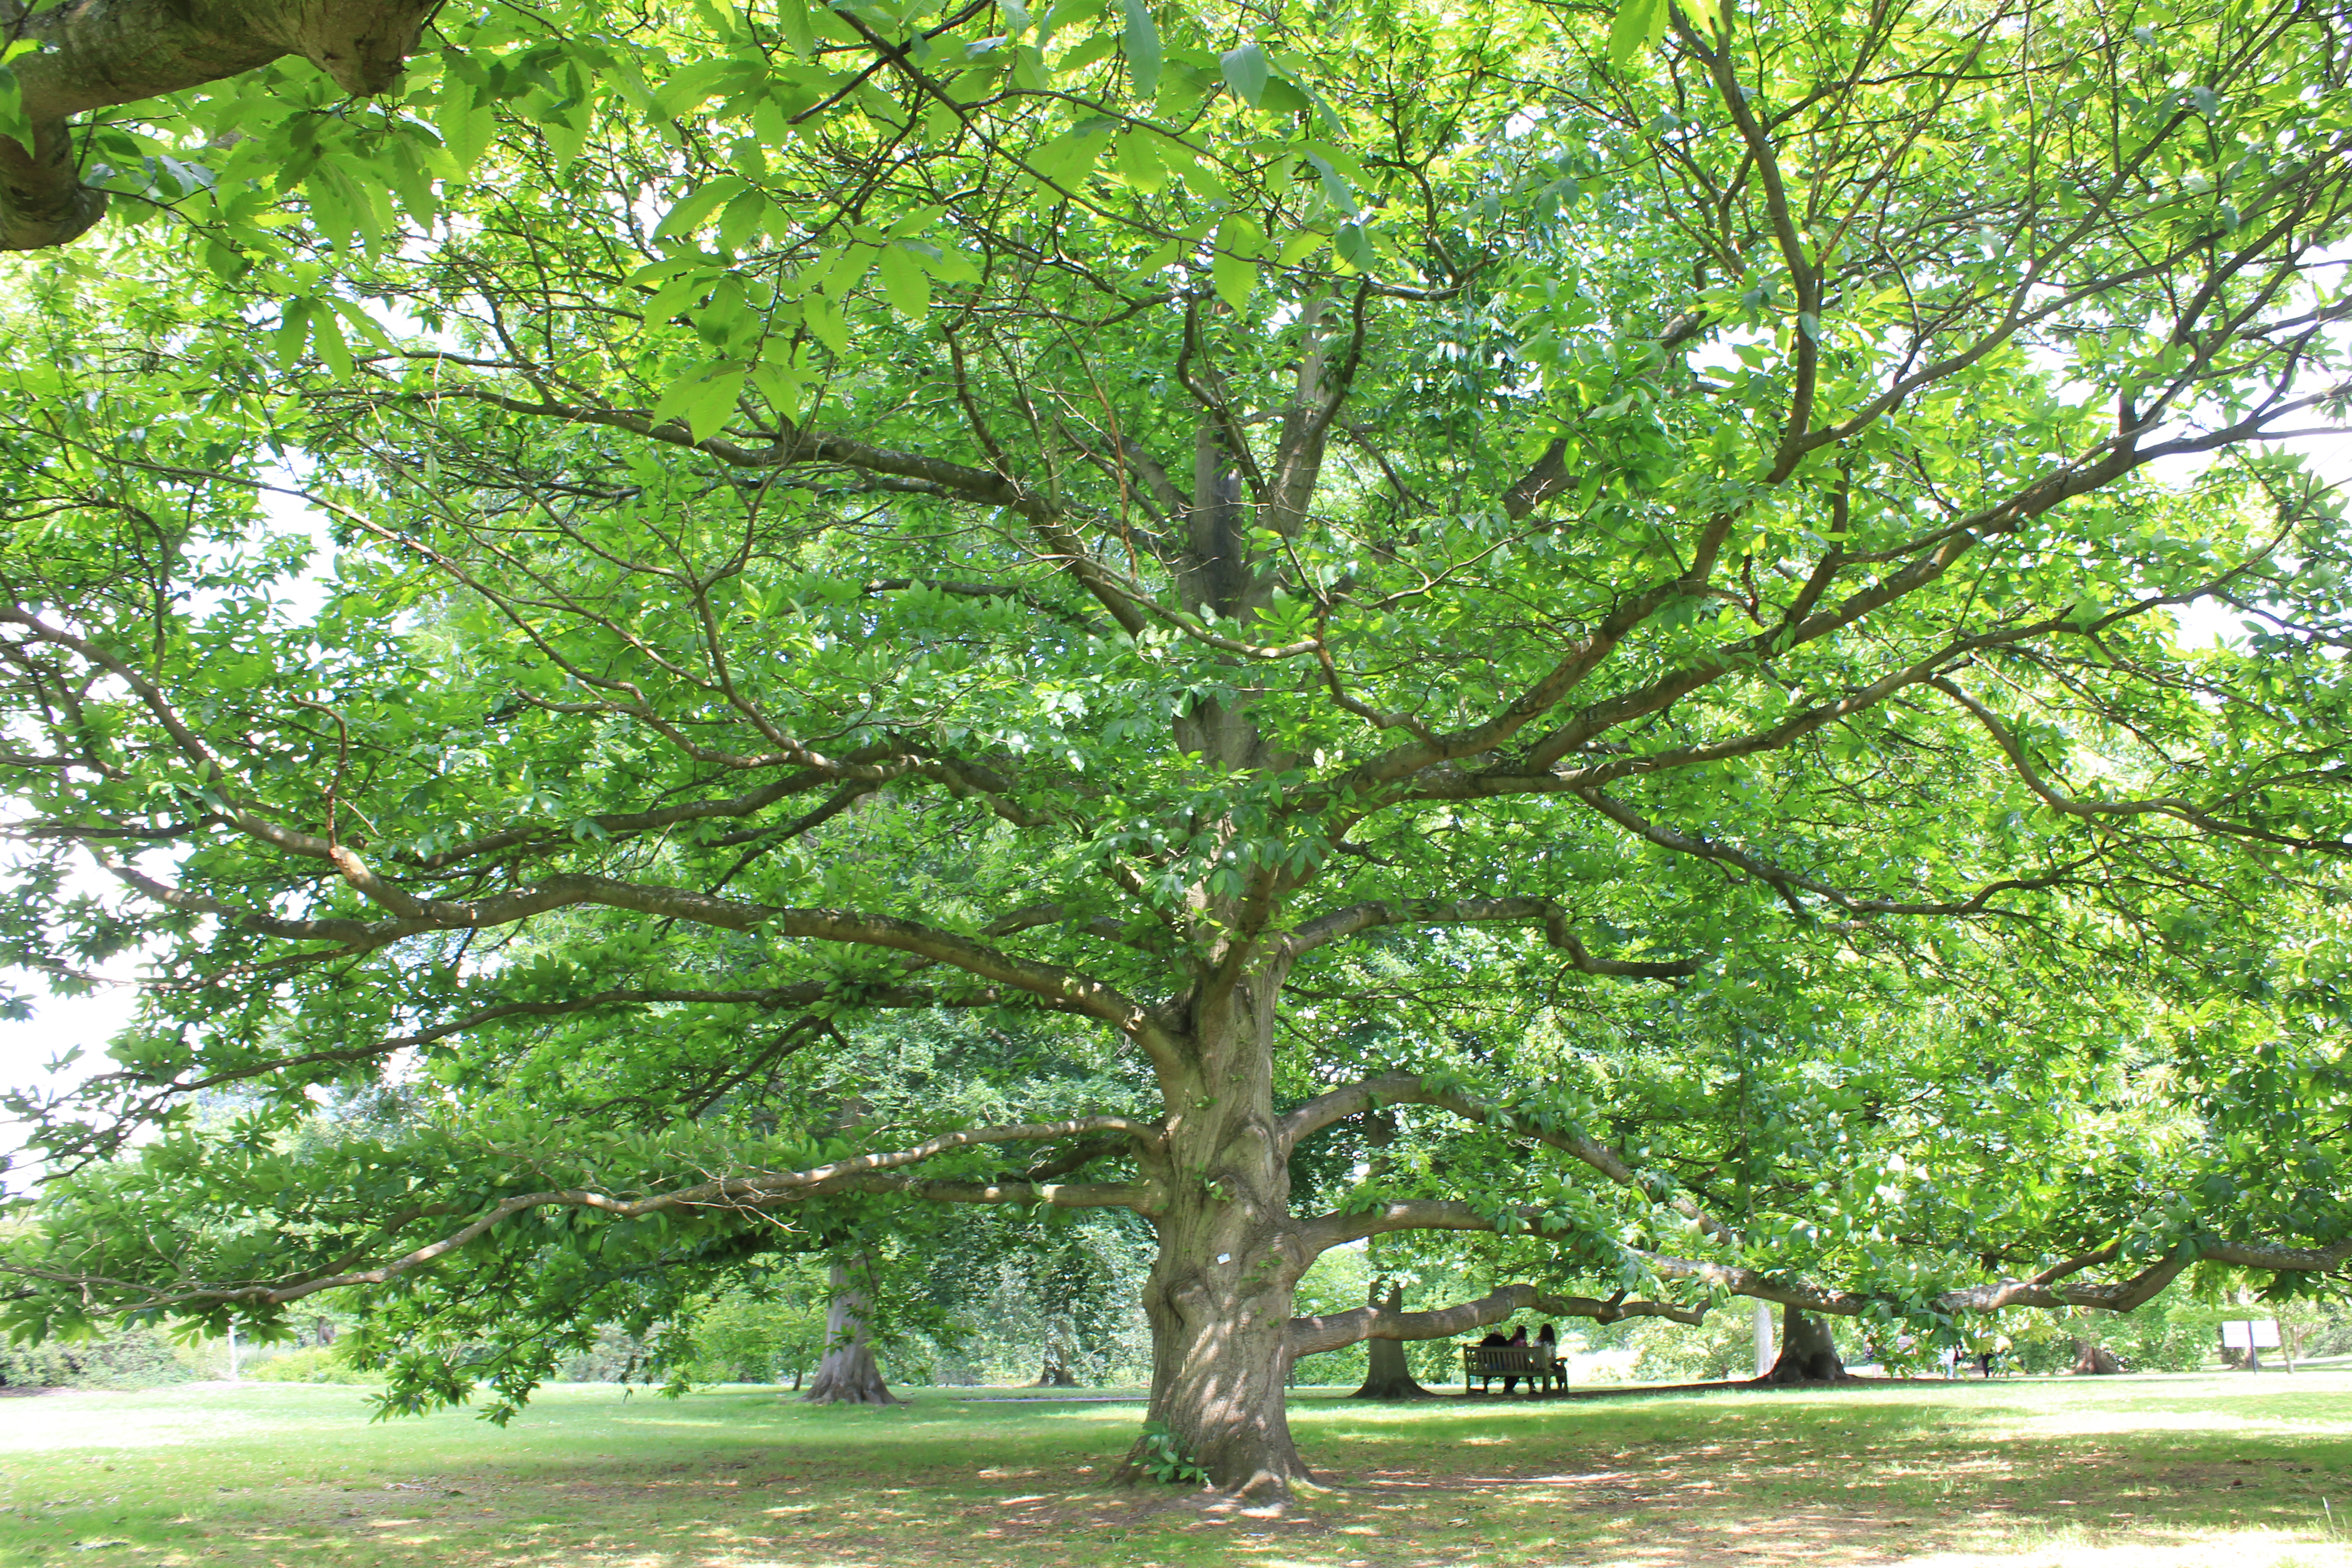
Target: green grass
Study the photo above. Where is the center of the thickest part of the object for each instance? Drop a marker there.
(2136, 1472)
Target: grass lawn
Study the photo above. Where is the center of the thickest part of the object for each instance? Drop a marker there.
(2133, 1472)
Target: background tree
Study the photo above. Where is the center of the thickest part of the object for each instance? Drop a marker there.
(1228, 534)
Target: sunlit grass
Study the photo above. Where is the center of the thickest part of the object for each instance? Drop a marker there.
(2139, 1472)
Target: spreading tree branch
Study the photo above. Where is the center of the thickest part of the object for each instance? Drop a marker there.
(95, 54)
(875, 1172)
(2091, 810)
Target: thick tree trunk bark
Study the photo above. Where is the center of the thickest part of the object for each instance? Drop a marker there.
(1388, 1376)
(848, 1374)
(1219, 1297)
(1808, 1354)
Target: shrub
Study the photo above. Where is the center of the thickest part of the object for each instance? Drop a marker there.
(140, 1358)
(311, 1364)
(741, 1338)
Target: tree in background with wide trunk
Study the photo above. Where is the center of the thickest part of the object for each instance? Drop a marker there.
(848, 1374)
(1214, 531)
(1806, 1353)
(1386, 1373)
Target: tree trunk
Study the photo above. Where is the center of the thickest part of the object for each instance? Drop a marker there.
(1057, 1370)
(847, 1374)
(1389, 1376)
(1808, 1354)
(2091, 1360)
(1219, 1298)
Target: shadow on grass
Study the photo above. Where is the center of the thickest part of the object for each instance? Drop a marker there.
(747, 1479)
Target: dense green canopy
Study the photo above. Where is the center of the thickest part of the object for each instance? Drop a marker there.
(1621, 593)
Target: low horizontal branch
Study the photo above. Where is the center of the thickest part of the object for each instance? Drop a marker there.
(859, 1173)
(770, 999)
(1138, 1196)
(1337, 1330)
(2051, 1289)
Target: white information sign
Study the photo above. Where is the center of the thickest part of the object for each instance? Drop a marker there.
(2253, 1333)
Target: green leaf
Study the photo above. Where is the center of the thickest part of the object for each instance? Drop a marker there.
(14, 123)
(689, 214)
(1066, 158)
(355, 315)
(739, 225)
(792, 17)
(703, 397)
(826, 323)
(1141, 40)
(465, 122)
(1084, 55)
(903, 282)
(293, 331)
(566, 130)
(784, 387)
(1299, 247)
(1639, 25)
(1246, 71)
(690, 89)
(1233, 265)
(1139, 164)
(947, 266)
(326, 337)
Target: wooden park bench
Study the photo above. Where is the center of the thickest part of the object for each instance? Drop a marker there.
(1485, 1362)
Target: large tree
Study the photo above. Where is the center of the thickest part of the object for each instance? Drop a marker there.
(1312, 547)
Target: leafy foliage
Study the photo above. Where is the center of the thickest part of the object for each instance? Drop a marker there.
(1165, 1462)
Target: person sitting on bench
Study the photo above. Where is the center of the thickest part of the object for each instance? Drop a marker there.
(1547, 1355)
(1518, 1341)
(1493, 1340)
